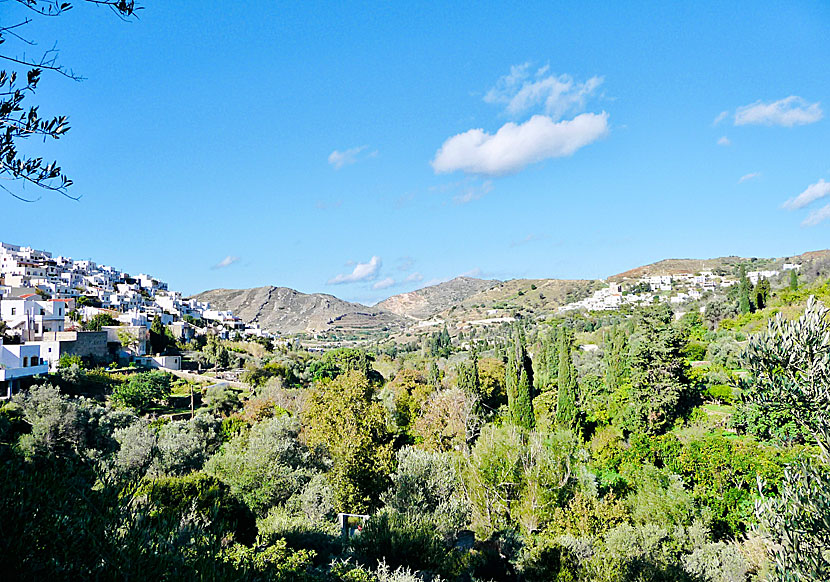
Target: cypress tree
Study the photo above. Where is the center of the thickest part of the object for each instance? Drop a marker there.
(615, 358)
(744, 291)
(761, 293)
(566, 411)
(519, 383)
(793, 280)
(467, 376)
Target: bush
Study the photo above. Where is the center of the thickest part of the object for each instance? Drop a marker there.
(426, 485)
(222, 399)
(401, 541)
(721, 392)
(208, 496)
(265, 466)
(142, 390)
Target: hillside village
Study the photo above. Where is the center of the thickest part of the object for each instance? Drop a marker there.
(676, 289)
(46, 300)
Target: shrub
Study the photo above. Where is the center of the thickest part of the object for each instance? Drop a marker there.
(142, 390)
(401, 541)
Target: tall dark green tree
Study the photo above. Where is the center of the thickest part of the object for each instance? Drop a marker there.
(546, 361)
(519, 382)
(567, 414)
(761, 294)
(793, 279)
(616, 359)
(467, 376)
(744, 291)
(158, 337)
(660, 388)
(435, 376)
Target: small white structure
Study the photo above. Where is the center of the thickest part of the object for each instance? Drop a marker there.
(19, 361)
(161, 362)
(32, 316)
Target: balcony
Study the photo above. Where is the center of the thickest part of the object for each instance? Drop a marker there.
(15, 373)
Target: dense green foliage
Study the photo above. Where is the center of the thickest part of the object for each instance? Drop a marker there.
(640, 446)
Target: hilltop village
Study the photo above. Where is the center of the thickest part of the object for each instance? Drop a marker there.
(53, 306)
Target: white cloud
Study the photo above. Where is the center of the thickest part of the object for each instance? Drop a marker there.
(514, 146)
(721, 116)
(384, 283)
(520, 92)
(477, 272)
(746, 177)
(473, 191)
(350, 156)
(813, 192)
(226, 262)
(787, 112)
(405, 263)
(361, 272)
(528, 239)
(817, 216)
(724, 141)
(414, 278)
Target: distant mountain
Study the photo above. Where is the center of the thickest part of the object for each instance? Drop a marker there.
(725, 265)
(284, 310)
(463, 299)
(429, 301)
(528, 297)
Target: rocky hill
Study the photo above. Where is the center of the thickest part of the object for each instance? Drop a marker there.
(429, 301)
(284, 310)
(461, 300)
(528, 297)
(722, 265)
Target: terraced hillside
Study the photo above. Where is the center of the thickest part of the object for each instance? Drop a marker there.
(528, 297)
(429, 301)
(287, 311)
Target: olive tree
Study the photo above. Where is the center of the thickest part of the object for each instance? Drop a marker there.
(790, 363)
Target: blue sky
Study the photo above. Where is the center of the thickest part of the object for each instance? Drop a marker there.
(368, 149)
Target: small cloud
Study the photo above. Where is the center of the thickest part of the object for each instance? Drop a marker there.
(404, 199)
(787, 112)
(528, 239)
(324, 205)
(721, 116)
(414, 278)
(350, 156)
(817, 216)
(477, 272)
(405, 263)
(724, 141)
(465, 190)
(746, 177)
(515, 146)
(520, 91)
(384, 283)
(361, 272)
(813, 192)
(226, 262)
(472, 192)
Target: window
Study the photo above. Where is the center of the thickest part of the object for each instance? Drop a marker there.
(25, 361)
(14, 310)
